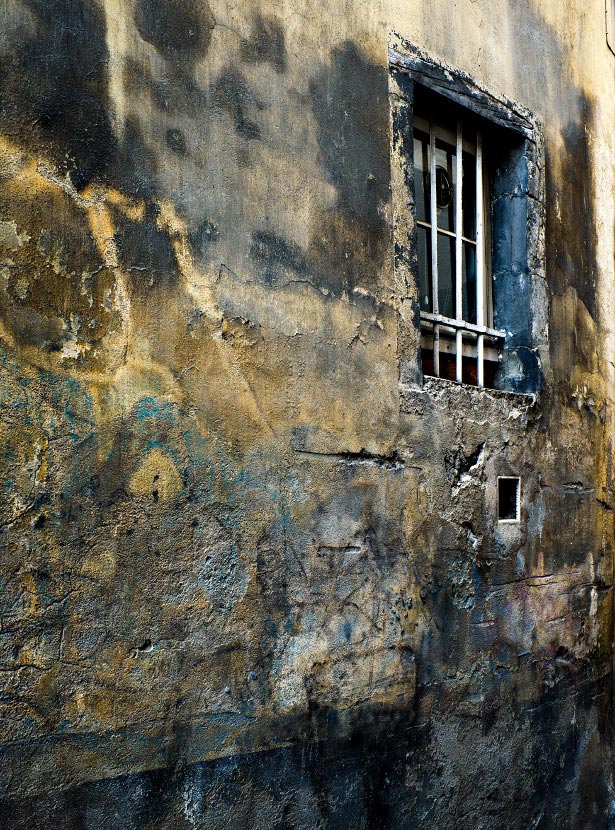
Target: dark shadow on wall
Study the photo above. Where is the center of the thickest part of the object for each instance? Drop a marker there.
(54, 94)
(56, 105)
(55, 86)
(352, 241)
(571, 234)
(570, 218)
(387, 772)
(180, 31)
(266, 44)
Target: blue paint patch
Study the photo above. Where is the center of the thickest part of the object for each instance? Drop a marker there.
(153, 408)
(346, 632)
(270, 627)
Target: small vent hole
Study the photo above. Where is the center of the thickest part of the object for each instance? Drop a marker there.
(509, 499)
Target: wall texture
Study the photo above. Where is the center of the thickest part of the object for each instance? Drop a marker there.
(251, 574)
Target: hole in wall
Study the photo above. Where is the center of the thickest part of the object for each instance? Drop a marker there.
(509, 499)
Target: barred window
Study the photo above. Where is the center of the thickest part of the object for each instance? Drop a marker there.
(452, 201)
(469, 227)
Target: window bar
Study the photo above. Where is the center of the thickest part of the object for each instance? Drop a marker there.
(480, 261)
(434, 247)
(459, 252)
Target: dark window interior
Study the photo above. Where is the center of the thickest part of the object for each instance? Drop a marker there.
(508, 499)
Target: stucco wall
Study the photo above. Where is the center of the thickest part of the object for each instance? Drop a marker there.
(251, 569)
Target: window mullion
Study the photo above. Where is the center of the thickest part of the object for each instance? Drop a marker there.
(459, 251)
(434, 247)
(480, 259)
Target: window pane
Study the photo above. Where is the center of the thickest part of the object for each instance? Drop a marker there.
(468, 265)
(446, 182)
(424, 253)
(469, 196)
(421, 175)
(446, 275)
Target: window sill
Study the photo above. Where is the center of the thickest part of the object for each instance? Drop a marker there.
(463, 396)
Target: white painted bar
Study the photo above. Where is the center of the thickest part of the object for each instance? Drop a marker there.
(434, 247)
(480, 259)
(455, 324)
(459, 251)
(447, 346)
(452, 235)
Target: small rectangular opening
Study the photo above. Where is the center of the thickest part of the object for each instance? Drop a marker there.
(509, 499)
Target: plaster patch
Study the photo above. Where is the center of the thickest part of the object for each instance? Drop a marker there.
(100, 567)
(157, 476)
(10, 237)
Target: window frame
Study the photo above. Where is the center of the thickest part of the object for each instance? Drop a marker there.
(516, 519)
(434, 321)
(517, 206)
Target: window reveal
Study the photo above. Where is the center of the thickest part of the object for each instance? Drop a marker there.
(477, 279)
(452, 206)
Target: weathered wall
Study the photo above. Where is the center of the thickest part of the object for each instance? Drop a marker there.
(249, 579)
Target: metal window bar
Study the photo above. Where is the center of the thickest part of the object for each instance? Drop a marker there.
(449, 322)
(480, 331)
(480, 260)
(444, 232)
(459, 254)
(434, 246)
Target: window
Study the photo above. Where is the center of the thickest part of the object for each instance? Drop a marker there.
(509, 499)
(452, 218)
(469, 220)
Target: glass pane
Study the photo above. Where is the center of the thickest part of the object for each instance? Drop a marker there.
(446, 275)
(421, 175)
(446, 182)
(469, 196)
(468, 265)
(424, 252)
